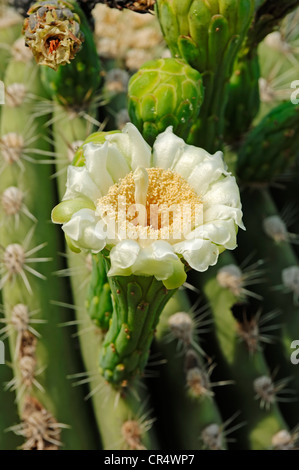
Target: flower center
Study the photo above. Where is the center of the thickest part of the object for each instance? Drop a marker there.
(153, 200)
(53, 44)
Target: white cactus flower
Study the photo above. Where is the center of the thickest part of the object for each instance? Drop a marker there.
(155, 210)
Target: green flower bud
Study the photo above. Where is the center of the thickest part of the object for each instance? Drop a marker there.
(165, 92)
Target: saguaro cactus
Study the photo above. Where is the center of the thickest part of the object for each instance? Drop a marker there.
(178, 344)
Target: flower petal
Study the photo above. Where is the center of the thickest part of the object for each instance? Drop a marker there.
(96, 164)
(199, 254)
(191, 157)
(207, 172)
(85, 230)
(116, 164)
(224, 191)
(221, 232)
(132, 146)
(123, 256)
(64, 211)
(157, 259)
(222, 212)
(79, 183)
(167, 149)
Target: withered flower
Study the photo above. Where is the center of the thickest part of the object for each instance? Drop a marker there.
(52, 31)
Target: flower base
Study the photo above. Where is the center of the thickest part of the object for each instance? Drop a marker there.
(138, 302)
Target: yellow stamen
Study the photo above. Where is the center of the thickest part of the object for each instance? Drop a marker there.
(159, 191)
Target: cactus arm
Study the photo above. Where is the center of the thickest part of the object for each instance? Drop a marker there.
(9, 413)
(10, 29)
(267, 16)
(241, 367)
(243, 101)
(282, 256)
(191, 414)
(50, 373)
(271, 147)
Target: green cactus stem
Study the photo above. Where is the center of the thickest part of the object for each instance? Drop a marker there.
(99, 301)
(248, 370)
(165, 92)
(271, 147)
(191, 402)
(208, 36)
(10, 30)
(268, 15)
(288, 209)
(43, 356)
(243, 101)
(279, 64)
(280, 292)
(9, 414)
